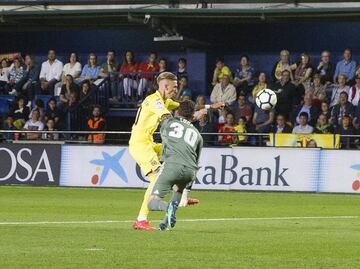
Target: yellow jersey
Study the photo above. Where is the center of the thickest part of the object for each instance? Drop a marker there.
(148, 117)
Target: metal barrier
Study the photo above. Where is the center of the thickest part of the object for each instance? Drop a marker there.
(122, 138)
(130, 87)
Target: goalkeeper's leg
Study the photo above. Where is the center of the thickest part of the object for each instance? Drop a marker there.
(185, 200)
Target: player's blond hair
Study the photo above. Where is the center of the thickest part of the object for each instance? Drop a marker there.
(166, 75)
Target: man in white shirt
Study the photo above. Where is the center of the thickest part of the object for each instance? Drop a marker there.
(303, 127)
(34, 124)
(50, 73)
(224, 92)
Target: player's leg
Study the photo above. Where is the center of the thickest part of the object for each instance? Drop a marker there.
(185, 200)
(162, 187)
(147, 159)
(183, 178)
(152, 176)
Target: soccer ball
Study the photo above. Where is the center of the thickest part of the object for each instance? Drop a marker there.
(266, 99)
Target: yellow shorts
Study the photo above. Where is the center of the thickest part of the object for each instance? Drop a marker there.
(146, 155)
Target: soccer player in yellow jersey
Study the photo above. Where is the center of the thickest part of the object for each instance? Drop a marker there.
(154, 109)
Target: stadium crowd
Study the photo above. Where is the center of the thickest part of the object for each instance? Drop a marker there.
(318, 97)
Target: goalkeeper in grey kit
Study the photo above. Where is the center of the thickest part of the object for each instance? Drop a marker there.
(182, 144)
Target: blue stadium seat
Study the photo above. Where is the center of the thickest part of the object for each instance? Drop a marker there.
(7, 97)
(4, 106)
(44, 98)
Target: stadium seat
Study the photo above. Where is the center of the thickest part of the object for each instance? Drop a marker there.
(44, 98)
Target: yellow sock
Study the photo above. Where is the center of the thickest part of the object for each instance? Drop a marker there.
(144, 210)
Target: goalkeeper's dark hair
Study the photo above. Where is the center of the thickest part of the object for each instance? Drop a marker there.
(186, 109)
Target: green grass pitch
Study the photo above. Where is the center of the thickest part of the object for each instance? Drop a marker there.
(263, 234)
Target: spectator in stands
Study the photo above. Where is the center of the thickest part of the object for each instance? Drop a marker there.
(281, 127)
(8, 126)
(326, 69)
(323, 126)
(39, 106)
(147, 72)
(317, 89)
(302, 76)
(20, 112)
(70, 113)
(241, 127)
(263, 119)
(110, 65)
(286, 94)
(181, 71)
(243, 110)
(343, 129)
(86, 99)
(96, 123)
(356, 119)
(261, 85)
(128, 71)
(337, 89)
(224, 92)
(228, 127)
(220, 70)
(280, 66)
(307, 107)
(91, 70)
(344, 107)
(354, 93)
(34, 124)
(50, 73)
(69, 87)
(346, 66)
(16, 75)
(325, 109)
(243, 80)
(184, 92)
(4, 76)
(107, 70)
(303, 127)
(50, 126)
(52, 111)
(73, 68)
(205, 126)
(29, 82)
(162, 65)
(200, 102)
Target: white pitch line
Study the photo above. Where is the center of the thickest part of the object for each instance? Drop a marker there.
(181, 220)
(94, 249)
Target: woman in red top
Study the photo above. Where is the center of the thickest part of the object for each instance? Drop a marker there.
(128, 72)
(228, 127)
(147, 71)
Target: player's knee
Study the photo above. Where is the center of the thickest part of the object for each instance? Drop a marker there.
(175, 187)
(156, 205)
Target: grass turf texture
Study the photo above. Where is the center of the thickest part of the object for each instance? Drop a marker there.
(268, 243)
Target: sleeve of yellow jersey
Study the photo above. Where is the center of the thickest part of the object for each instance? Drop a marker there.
(171, 104)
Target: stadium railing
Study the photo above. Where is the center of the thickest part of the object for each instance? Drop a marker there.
(210, 139)
(116, 84)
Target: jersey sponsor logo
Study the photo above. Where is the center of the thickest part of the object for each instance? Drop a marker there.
(159, 104)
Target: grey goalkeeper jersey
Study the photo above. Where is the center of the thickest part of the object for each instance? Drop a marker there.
(182, 142)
